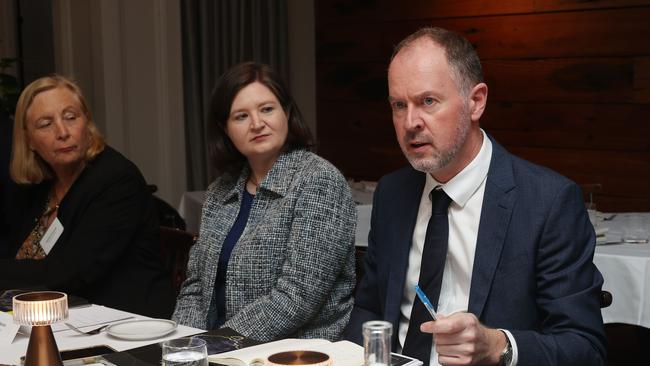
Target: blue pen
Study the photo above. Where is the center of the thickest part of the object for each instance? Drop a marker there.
(425, 300)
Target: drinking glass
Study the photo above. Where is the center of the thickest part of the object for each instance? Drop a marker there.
(376, 342)
(184, 352)
(636, 229)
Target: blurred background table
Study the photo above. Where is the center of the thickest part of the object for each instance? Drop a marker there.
(626, 271)
(190, 209)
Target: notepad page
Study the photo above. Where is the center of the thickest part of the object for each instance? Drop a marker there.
(94, 315)
(342, 353)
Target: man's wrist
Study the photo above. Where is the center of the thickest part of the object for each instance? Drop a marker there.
(500, 342)
(505, 358)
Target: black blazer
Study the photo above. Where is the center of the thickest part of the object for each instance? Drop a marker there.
(108, 252)
(5, 182)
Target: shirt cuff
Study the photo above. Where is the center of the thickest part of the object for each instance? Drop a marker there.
(513, 344)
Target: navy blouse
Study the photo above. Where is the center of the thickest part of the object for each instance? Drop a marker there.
(219, 300)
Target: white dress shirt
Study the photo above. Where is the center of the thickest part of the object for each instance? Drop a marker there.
(466, 190)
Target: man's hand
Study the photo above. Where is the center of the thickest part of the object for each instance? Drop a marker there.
(462, 340)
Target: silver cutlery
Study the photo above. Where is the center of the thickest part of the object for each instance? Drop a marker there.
(89, 332)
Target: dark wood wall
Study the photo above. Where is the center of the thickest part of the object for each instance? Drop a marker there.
(569, 84)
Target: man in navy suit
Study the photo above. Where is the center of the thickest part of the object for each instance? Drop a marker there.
(516, 284)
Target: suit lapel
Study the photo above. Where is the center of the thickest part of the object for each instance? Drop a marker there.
(498, 201)
(405, 215)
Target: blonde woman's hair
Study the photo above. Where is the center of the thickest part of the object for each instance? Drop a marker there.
(26, 166)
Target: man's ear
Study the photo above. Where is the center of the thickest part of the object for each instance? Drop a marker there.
(477, 101)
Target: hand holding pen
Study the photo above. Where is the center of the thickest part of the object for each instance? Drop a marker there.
(453, 334)
(425, 300)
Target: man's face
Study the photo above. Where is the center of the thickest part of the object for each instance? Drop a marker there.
(430, 115)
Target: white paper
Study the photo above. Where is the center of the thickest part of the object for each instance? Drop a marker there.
(8, 329)
(51, 235)
(342, 353)
(90, 317)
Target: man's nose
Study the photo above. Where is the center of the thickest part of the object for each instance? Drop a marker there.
(412, 121)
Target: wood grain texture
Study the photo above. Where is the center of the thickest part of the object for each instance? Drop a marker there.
(564, 126)
(605, 33)
(569, 85)
(347, 11)
(592, 80)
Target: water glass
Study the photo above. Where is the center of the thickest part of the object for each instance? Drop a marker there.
(376, 342)
(184, 352)
(636, 229)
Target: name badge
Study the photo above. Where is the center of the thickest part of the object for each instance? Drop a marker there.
(51, 235)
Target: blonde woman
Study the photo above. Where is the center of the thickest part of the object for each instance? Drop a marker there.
(83, 220)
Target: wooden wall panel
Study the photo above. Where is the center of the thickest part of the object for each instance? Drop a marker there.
(347, 11)
(563, 126)
(570, 126)
(597, 80)
(569, 84)
(616, 32)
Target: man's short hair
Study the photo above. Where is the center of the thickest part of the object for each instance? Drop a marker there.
(461, 55)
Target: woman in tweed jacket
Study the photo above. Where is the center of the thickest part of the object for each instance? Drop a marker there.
(275, 254)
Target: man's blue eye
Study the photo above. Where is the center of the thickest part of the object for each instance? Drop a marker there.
(428, 100)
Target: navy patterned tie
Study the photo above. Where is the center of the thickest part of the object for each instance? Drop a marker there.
(418, 344)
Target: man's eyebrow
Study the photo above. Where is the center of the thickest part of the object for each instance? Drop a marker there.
(423, 94)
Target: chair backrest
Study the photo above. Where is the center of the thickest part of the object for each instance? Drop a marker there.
(605, 299)
(167, 215)
(175, 250)
(359, 253)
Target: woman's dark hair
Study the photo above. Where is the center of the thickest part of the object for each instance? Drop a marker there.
(225, 156)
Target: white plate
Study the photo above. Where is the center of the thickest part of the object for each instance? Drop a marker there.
(142, 329)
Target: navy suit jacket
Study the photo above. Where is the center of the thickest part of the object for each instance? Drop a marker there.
(533, 272)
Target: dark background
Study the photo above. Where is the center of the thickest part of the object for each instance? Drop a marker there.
(569, 84)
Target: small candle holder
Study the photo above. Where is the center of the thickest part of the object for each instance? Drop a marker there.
(39, 310)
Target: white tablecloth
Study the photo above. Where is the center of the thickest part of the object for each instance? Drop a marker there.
(626, 270)
(69, 340)
(190, 209)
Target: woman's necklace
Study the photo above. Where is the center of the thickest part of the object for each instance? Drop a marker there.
(52, 205)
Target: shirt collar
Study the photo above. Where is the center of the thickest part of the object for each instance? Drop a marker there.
(463, 185)
(278, 179)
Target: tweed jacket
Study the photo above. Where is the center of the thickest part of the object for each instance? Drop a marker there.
(291, 274)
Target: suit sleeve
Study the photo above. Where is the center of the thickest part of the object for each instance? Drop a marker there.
(367, 301)
(99, 236)
(568, 290)
(319, 248)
